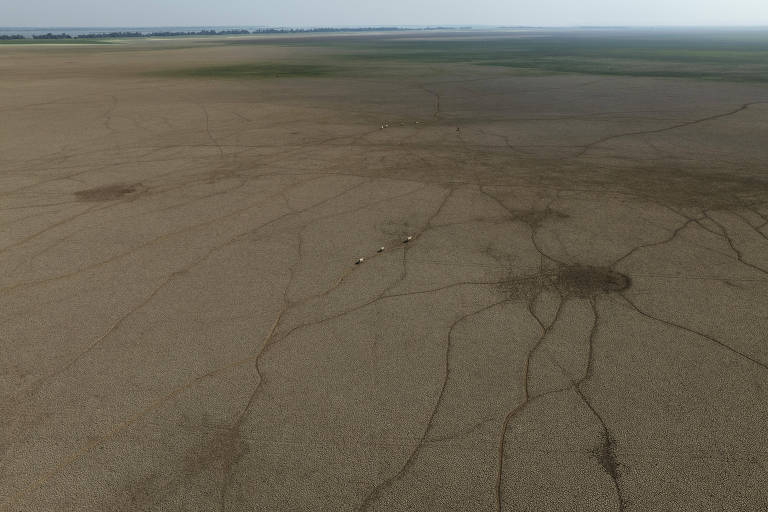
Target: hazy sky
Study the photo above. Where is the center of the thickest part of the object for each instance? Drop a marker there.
(383, 12)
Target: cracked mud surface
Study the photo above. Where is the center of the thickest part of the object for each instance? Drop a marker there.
(579, 322)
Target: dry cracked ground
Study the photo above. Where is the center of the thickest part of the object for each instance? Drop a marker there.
(578, 323)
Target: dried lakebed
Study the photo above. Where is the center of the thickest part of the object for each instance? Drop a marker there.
(577, 323)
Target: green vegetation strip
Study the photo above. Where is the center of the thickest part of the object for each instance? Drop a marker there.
(718, 56)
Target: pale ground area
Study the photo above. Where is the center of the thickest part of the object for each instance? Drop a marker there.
(184, 328)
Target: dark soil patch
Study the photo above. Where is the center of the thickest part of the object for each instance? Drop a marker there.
(524, 289)
(108, 192)
(535, 218)
(582, 281)
(588, 281)
(606, 455)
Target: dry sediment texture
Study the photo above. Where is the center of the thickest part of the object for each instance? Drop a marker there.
(578, 323)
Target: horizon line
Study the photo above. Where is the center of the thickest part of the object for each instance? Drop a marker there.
(466, 26)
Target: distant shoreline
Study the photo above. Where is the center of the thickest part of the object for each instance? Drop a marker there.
(123, 34)
(95, 34)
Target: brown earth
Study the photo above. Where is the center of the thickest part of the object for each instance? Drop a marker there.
(579, 322)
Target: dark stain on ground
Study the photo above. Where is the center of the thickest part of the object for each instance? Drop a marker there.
(524, 288)
(672, 184)
(139, 492)
(703, 189)
(108, 192)
(606, 455)
(154, 488)
(535, 218)
(583, 281)
(587, 281)
(222, 450)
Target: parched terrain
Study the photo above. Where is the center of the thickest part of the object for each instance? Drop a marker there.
(562, 302)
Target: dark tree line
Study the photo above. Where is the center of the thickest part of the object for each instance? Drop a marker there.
(52, 36)
(320, 29)
(123, 35)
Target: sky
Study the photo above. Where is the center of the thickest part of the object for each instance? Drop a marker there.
(121, 13)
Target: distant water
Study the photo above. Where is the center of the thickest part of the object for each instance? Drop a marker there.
(76, 31)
